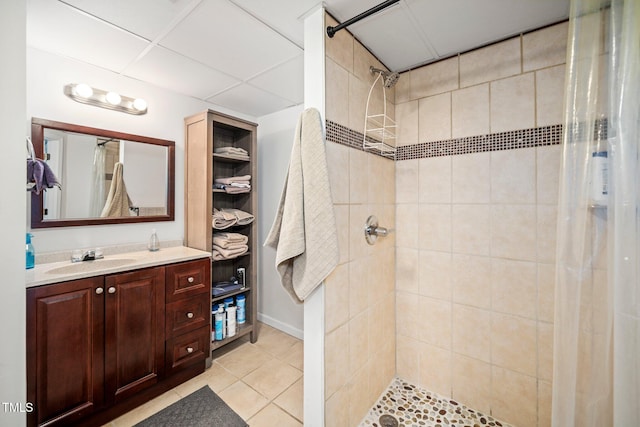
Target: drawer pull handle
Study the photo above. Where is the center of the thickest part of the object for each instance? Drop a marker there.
(112, 290)
(99, 291)
(190, 315)
(190, 279)
(189, 350)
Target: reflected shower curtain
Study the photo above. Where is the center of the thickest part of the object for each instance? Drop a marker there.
(596, 375)
(98, 193)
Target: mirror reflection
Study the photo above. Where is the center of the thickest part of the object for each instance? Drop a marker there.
(106, 176)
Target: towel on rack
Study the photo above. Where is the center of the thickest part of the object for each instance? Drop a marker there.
(118, 201)
(304, 231)
(40, 174)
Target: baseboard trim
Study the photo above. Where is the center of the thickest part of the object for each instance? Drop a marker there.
(284, 327)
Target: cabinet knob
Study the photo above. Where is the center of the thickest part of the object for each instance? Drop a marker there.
(99, 291)
(190, 315)
(112, 290)
(189, 349)
(190, 279)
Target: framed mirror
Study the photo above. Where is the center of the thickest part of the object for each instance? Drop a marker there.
(106, 177)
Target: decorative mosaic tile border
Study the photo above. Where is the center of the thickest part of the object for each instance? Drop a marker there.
(411, 405)
(524, 138)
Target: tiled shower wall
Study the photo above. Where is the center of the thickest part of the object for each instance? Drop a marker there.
(359, 295)
(476, 232)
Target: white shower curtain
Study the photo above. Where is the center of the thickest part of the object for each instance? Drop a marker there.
(98, 192)
(596, 376)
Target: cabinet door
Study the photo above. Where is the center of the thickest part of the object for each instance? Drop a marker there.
(134, 332)
(65, 350)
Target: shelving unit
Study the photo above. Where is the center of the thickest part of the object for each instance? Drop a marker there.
(204, 132)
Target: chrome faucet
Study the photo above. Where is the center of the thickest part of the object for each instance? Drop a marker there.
(88, 255)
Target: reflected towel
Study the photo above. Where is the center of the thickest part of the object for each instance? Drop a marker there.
(304, 231)
(39, 173)
(118, 201)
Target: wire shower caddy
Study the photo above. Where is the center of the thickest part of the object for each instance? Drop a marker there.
(379, 129)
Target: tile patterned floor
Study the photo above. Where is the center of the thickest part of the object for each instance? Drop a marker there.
(262, 382)
(414, 406)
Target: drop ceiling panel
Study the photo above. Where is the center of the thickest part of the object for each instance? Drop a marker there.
(285, 16)
(393, 39)
(286, 80)
(250, 100)
(168, 69)
(146, 18)
(223, 36)
(459, 25)
(55, 27)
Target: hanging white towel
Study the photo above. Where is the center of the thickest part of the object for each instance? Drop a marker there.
(304, 231)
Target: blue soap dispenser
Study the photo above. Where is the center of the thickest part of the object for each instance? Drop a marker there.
(31, 252)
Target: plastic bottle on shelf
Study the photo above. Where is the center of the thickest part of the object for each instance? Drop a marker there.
(231, 321)
(241, 303)
(219, 324)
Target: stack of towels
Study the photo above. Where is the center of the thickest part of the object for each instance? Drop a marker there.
(233, 152)
(225, 218)
(229, 245)
(234, 184)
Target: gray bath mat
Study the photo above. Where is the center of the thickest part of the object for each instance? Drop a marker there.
(202, 408)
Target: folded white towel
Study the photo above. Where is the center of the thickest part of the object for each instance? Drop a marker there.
(229, 240)
(218, 253)
(243, 218)
(231, 150)
(229, 180)
(223, 219)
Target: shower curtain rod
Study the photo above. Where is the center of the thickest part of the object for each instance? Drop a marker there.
(331, 31)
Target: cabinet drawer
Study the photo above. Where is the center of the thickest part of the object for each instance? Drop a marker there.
(187, 349)
(187, 314)
(187, 279)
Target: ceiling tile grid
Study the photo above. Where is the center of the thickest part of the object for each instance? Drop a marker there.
(247, 55)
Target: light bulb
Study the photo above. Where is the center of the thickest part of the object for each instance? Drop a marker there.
(140, 104)
(83, 90)
(113, 98)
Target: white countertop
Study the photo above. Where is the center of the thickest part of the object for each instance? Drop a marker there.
(42, 274)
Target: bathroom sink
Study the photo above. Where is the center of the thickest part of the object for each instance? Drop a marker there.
(87, 266)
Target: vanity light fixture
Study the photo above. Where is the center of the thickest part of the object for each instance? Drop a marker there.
(84, 93)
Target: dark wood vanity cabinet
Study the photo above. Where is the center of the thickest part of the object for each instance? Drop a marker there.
(100, 346)
(65, 351)
(134, 332)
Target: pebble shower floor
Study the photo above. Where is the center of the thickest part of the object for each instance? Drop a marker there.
(412, 406)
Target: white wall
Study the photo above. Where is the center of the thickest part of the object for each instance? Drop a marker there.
(45, 99)
(275, 139)
(46, 76)
(12, 208)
